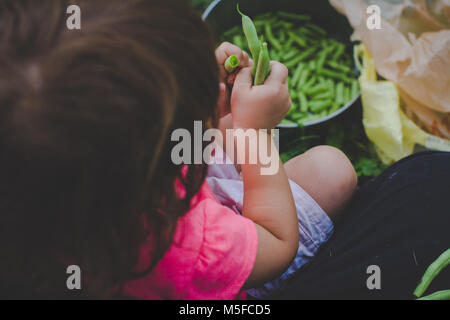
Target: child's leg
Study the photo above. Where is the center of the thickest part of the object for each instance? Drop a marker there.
(327, 175)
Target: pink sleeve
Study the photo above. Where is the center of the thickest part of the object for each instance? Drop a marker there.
(227, 254)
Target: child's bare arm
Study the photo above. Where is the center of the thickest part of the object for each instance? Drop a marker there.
(268, 199)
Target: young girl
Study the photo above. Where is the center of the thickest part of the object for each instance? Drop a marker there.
(87, 176)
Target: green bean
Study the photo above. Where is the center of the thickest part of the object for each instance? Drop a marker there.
(298, 116)
(336, 106)
(303, 77)
(263, 68)
(252, 37)
(322, 96)
(340, 93)
(339, 67)
(316, 28)
(274, 55)
(288, 43)
(237, 40)
(355, 88)
(321, 61)
(305, 31)
(335, 75)
(339, 51)
(432, 271)
(331, 86)
(286, 25)
(231, 63)
(263, 16)
(282, 36)
(231, 31)
(293, 16)
(261, 22)
(319, 106)
(322, 80)
(305, 54)
(317, 89)
(347, 97)
(303, 102)
(310, 83)
(290, 54)
(286, 121)
(310, 118)
(270, 37)
(439, 295)
(292, 110)
(297, 74)
(295, 38)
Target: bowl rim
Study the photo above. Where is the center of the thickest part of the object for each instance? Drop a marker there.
(333, 115)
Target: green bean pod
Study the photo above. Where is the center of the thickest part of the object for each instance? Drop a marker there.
(355, 88)
(432, 271)
(270, 37)
(319, 105)
(297, 74)
(231, 63)
(263, 68)
(340, 93)
(335, 107)
(335, 75)
(303, 77)
(439, 295)
(252, 37)
(317, 89)
(305, 54)
(293, 16)
(303, 102)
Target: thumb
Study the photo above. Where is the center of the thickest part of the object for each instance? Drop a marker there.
(244, 79)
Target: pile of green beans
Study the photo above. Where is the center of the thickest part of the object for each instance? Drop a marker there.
(321, 74)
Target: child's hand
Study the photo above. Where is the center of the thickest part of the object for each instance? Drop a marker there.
(264, 106)
(225, 50)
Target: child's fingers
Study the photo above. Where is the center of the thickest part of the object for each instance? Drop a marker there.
(232, 77)
(244, 79)
(222, 103)
(278, 74)
(227, 49)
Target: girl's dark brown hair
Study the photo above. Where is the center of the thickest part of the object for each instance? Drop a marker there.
(85, 119)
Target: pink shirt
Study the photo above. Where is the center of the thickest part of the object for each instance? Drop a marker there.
(211, 257)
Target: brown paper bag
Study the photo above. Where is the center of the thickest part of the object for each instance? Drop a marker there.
(412, 49)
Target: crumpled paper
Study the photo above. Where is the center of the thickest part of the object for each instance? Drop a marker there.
(412, 49)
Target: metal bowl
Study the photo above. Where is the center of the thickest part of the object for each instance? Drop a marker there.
(221, 15)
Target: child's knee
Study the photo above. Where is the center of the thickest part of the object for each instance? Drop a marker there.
(327, 175)
(331, 165)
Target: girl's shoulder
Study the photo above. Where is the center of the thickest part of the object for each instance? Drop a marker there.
(211, 257)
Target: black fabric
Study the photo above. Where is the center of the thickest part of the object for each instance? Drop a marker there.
(399, 221)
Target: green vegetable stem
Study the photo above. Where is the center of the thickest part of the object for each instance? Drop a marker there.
(231, 64)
